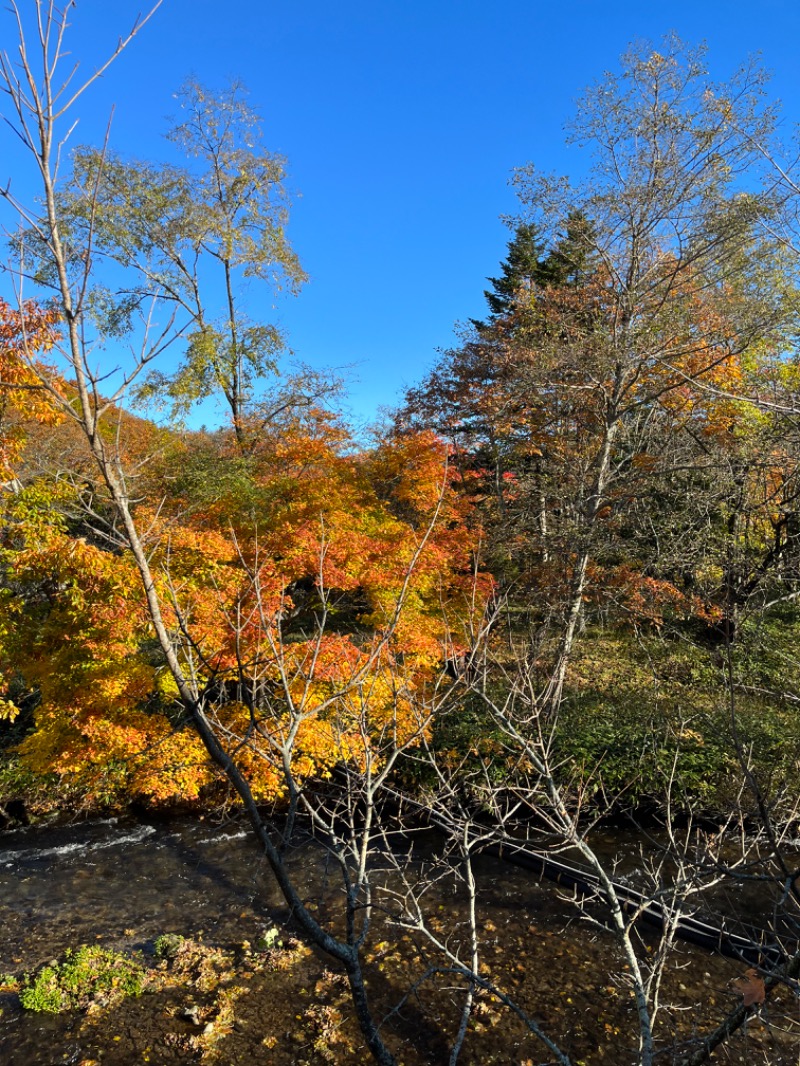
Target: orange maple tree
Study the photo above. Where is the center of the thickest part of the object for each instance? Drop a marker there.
(313, 592)
(26, 334)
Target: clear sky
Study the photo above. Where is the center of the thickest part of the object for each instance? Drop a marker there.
(401, 121)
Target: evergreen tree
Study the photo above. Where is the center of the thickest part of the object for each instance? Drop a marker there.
(521, 271)
(571, 259)
(529, 266)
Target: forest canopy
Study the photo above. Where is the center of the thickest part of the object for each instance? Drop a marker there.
(609, 456)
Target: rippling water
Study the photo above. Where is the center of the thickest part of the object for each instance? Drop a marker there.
(60, 888)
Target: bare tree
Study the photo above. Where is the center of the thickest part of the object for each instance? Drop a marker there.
(645, 260)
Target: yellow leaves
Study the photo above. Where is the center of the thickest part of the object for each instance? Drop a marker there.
(173, 765)
(692, 736)
(8, 710)
(23, 334)
(320, 537)
(77, 629)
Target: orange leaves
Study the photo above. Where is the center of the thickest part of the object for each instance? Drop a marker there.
(167, 763)
(308, 591)
(338, 612)
(323, 703)
(23, 335)
(411, 474)
(752, 987)
(648, 599)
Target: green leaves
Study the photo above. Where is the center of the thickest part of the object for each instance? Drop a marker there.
(214, 366)
(190, 235)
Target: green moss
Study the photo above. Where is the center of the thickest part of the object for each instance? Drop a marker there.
(84, 976)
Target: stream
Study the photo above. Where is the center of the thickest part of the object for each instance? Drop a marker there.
(121, 884)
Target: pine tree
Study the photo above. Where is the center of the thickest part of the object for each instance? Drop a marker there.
(521, 271)
(571, 258)
(528, 266)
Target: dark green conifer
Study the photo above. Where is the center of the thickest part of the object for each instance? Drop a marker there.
(529, 266)
(521, 271)
(572, 256)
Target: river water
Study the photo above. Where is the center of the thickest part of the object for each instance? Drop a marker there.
(121, 884)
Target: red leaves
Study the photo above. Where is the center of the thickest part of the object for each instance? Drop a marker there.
(751, 986)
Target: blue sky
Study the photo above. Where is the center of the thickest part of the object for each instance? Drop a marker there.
(402, 122)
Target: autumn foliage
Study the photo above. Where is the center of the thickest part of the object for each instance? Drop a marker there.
(26, 336)
(313, 588)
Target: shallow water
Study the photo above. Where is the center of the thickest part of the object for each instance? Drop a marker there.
(122, 884)
(68, 886)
